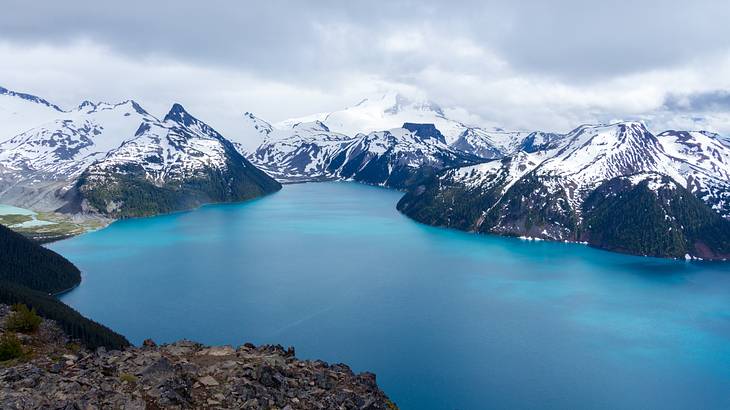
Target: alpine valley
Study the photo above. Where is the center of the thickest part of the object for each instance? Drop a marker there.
(614, 186)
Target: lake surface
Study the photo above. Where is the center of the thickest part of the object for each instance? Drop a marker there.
(447, 320)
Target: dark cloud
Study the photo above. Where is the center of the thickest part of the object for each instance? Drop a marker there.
(312, 40)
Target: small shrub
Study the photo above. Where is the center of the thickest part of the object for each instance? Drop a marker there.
(23, 319)
(129, 378)
(74, 348)
(10, 347)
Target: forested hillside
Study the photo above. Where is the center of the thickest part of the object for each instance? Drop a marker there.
(30, 274)
(28, 264)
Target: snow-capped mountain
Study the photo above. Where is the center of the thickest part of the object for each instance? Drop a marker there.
(20, 112)
(398, 157)
(386, 112)
(497, 143)
(378, 136)
(38, 165)
(544, 193)
(302, 153)
(177, 163)
(65, 146)
(251, 133)
(312, 152)
(615, 186)
(703, 161)
(57, 160)
(389, 112)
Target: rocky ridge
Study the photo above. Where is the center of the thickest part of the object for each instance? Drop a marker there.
(59, 374)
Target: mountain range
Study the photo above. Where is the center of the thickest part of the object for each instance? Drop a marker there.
(117, 160)
(615, 186)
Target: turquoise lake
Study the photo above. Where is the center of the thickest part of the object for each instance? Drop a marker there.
(447, 320)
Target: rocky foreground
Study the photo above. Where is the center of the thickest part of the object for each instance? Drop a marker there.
(58, 374)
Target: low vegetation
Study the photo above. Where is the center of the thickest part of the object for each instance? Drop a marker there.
(76, 326)
(10, 347)
(129, 378)
(23, 320)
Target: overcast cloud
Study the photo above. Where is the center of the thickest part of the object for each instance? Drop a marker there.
(532, 65)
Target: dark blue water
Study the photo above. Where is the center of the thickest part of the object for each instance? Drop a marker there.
(447, 320)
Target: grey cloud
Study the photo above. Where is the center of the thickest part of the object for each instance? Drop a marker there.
(527, 64)
(709, 101)
(313, 40)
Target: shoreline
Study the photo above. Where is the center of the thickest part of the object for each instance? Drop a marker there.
(64, 291)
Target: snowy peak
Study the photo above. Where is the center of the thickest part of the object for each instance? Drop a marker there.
(425, 132)
(62, 148)
(179, 117)
(388, 111)
(178, 114)
(249, 133)
(541, 141)
(29, 97)
(179, 147)
(592, 153)
(258, 124)
(20, 112)
(88, 107)
(314, 126)
(488, 144)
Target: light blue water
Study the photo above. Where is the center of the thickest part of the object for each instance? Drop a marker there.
(447, 320)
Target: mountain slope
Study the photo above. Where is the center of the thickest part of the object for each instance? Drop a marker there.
(651, 214)
(300, 154)
(398, 157)
(703, 161)
(393, 158)
(38, 165)
(20, 112)
(117, 160)
(547, 193)
(250, 134)
(174, 164)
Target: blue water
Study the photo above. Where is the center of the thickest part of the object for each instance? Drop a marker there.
(447, 320)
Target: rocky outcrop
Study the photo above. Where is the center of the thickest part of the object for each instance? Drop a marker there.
(181, 375)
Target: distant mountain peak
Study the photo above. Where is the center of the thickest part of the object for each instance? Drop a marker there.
(257, 123)
(29, 97)
(425, 131)
(91, 107)
(383, 112)
(178, 114)
(86, 104)
(138, 108)
(312, 126)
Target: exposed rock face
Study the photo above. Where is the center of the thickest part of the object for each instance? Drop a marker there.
(178, 376)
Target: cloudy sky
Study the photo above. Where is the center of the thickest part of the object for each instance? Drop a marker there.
(533, 65)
